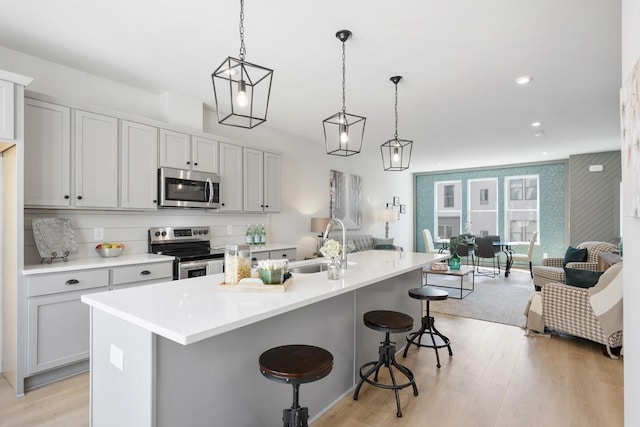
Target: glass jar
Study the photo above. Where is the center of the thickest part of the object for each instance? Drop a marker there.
(333, 269)
(237, 263)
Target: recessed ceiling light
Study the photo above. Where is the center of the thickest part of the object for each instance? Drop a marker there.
(523, 80)
(544, 153)
(539, 133)
(536, 124)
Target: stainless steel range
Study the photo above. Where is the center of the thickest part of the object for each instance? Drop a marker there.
(191, 248)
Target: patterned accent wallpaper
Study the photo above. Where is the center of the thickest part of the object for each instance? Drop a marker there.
(552, 202)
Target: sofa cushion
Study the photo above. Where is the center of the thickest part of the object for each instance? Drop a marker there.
(385, 247)
(574, 255)
(378, 241)
(350, 246)
(581, 278)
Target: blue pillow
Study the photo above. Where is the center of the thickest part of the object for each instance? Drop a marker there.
(385, 247)
(574, 255)
(581, 278)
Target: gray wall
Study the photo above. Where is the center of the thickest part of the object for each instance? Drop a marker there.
(594, 198)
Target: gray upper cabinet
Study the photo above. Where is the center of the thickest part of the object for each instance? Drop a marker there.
(230, 177)
(47, 154)
(261, 185)
(182, 151)
(6, 110)
(139, 165)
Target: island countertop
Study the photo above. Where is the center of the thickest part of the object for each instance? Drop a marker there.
(191, 310)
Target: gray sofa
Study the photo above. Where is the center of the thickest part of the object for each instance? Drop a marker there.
(365, 242)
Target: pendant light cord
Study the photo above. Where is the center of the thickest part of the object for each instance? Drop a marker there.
(396, 107)
(243, 50)
(344, 84)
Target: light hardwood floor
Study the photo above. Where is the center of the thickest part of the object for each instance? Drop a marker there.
(496, 377)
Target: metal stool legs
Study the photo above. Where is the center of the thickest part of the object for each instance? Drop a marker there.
(295, 416)
(386, 353)
(428, 326)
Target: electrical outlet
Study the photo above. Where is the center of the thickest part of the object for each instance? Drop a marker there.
(98, 234)
(230, 230)
(116, 357)
(545, 255)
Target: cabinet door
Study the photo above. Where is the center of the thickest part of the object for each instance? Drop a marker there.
(289, 254)
(271, 196)
(175, 149)
(47, 158)
(204, 154)
(96, 160)
(253, 180)
(139, 164)
(230, 177)
(58, 331)
(6, 110)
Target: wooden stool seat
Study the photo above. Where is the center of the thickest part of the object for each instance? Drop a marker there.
(295, 364)
(387, 322)
(438, 340)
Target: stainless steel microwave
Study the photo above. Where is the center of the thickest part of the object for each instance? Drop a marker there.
(178, 188)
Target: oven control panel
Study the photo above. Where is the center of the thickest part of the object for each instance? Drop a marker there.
(178, 234)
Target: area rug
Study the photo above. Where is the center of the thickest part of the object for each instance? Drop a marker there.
(499, 299)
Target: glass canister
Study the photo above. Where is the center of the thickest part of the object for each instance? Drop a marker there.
(237, 263)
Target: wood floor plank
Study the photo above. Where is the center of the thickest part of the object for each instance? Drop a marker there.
(497, 377)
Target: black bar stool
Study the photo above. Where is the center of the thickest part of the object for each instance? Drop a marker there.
(437, 339)
(295, 365)
(387, 322)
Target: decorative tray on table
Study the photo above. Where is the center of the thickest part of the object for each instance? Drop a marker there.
(254, 284)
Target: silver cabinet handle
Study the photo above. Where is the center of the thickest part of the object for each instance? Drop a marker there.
(71, 282)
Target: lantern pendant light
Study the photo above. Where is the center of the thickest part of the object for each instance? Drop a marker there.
(396, 153)
(241, 89)
(343, 132)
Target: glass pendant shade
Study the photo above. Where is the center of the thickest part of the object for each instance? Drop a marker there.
(241, 91)
(343, 132)
(396, 152)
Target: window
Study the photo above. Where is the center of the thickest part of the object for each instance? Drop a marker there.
(522, 208)
(484, 196)
(448, 196)
(447, 208)
(482, 206)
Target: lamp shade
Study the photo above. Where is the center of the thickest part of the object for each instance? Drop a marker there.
(387, 215)
(318, 225)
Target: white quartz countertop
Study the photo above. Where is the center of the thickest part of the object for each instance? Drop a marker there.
(190, 310)
(59, 266)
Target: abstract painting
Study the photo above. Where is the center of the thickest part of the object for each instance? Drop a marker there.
(345, 198)
(630, 125)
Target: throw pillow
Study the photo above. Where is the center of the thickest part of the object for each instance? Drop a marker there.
(574, 255)
(581, 278)
(377, 241)
(385, 247)
(350, 246)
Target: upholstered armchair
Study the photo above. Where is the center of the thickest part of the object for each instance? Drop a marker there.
(552, 269)
(592, 313)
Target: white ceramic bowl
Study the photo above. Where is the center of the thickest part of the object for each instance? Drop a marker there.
(109, 253)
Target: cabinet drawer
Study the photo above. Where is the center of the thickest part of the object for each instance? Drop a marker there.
(141, 273)
(257, 256)
(67, 282)
(289, 254)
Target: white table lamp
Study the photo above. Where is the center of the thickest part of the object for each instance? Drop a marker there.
(318, 225)
(387, 216)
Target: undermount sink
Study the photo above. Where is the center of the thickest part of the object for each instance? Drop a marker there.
(315, 267)
(310, 268)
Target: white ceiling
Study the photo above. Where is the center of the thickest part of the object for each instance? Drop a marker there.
(458, 100)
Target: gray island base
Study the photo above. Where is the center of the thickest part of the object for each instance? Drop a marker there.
(182, 353)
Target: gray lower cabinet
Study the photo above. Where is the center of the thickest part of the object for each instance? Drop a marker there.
(289, 253)
(58, 321)
(58, 330)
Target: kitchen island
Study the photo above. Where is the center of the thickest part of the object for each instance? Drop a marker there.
(186, 352)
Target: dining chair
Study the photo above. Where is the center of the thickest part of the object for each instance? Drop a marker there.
(429, 245)
(464, 250)
(529, 255)
(484, 249)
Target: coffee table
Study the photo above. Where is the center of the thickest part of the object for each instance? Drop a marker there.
(464, 271)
